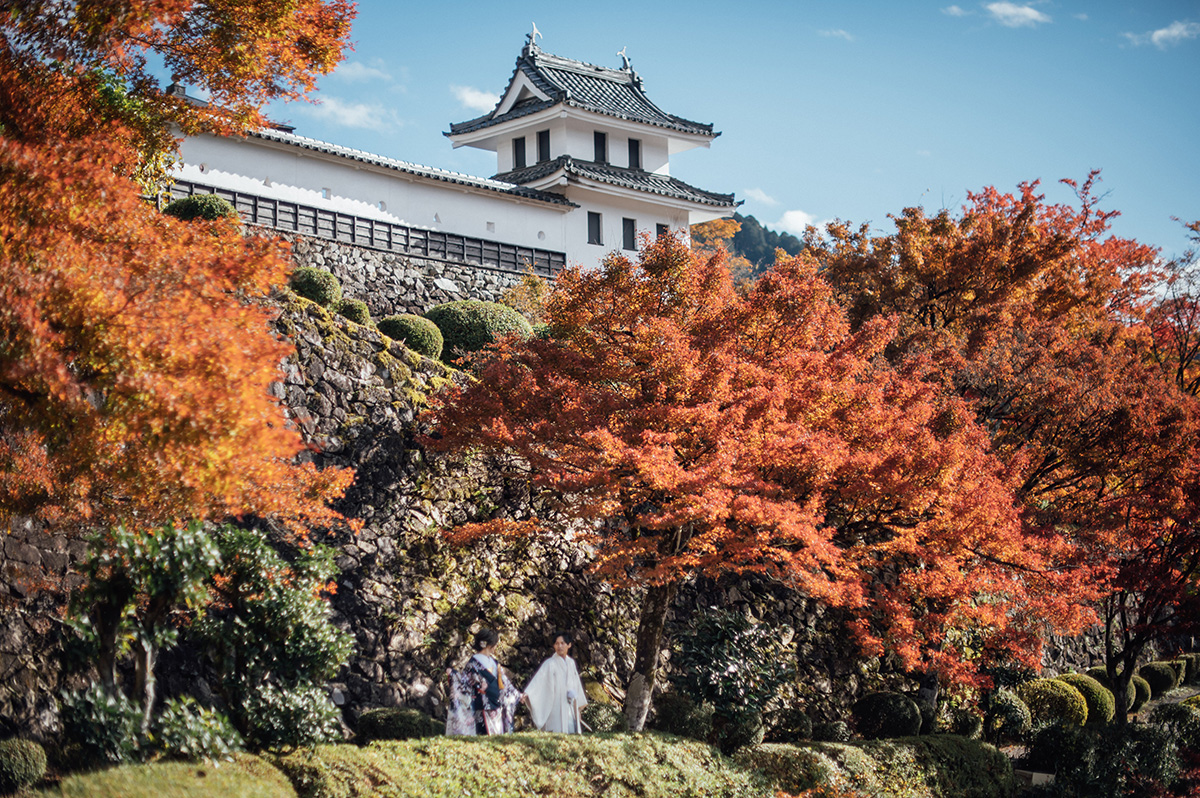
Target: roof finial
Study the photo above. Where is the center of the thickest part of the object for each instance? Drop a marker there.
(624, 60)
(533, 36)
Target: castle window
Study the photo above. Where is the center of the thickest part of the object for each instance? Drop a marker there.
(635, 154)
(594, 228)
(661, 230)
(629, 234)
(519, 153)
(601, 140)
(543, 146)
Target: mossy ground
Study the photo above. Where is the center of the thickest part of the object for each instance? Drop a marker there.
(245, 777)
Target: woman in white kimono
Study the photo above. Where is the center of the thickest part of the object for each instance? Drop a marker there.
(555, 694)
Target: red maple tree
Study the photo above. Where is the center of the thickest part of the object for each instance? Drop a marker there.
(685, 429)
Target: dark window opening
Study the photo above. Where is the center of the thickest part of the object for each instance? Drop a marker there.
(628, 234)
(594, 228)
(519, 153)
(661, 230)
(601, 140)
(635, 154)
(543, 146)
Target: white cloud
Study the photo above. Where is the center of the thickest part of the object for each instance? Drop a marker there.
(1175, 33)
(1014, 16)
(794, 222)
(475, 99)
(954, 11)
(351, 114)
(760, 196)
(1081, 17)
(836, 34)
(357, 71)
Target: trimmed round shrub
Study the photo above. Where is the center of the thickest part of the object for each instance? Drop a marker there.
(965, 722)
(391, 723)
(790, 725)
(604, 718)
(675, 713)
(354, 309)
(1161, 677)
(884, 714)
(1193, 667)
(318, 285)
(1052, 701)
(471, 324)
(208, 207)
(1101, 704)
(1114, 761)
(1141, 693)
(22, 763)
(1100, 674)
(738, 730)
(1007, 717)
(417, 332)
(834, 731)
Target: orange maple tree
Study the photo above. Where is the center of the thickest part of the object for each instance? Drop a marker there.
(687, 428)
(137, 353)
(1037, 317)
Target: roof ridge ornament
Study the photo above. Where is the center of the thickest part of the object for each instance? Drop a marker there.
(624, 60)
(532, 37)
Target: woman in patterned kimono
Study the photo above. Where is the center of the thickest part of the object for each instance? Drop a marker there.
(483, 688)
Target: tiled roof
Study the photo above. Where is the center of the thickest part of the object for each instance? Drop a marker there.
(650, 182)
(613, 92)
(431, 172)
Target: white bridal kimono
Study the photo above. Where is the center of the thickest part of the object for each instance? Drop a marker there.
(547, 696)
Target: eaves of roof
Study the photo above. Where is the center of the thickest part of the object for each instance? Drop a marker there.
(429, 172)
(635, 179)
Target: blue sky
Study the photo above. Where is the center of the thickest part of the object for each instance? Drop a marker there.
(850, 110)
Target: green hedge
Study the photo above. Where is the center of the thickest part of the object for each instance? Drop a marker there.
(208, 207)
(1052, 701)
(243, 776)
(884, 714)
(417, 332)
(1101, 704)
(470, 324)
(396, 723)
(22, 763)
(1161, 676)
(1100, 674)
(933, 766)
(353, 309)
(318, 285)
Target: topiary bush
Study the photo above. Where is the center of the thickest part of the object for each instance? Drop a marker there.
(189, 731)
(676, 713)
(1160, 676)
(1100, 674)
(1180, 721)
(732, 731)
(391, 723)
(601, 718)
(884, 714)
(789, 725)
(208, 207)
(1051, 701)
(354, 309)
(833, 731)
(1141, 693)
(417, 332)
(965, 722)
(1193, 667)
(1114, 761)
(22, 763)
(1007, 717)
(1101, 704)
(318, 285)
(471, 324)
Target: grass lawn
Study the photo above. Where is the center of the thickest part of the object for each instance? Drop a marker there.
(245, 777)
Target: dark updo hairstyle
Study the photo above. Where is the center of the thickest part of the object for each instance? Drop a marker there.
(566, 636)
(485, 638)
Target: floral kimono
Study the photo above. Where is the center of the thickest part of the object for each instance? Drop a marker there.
(482, 701)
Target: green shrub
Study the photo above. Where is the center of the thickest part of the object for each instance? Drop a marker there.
(933, 766)
(1007, 717)
(882, 715)
(789, 725)
(208, 207)
(391, 723)
(1193, 667)
(280, 718)
(676, 713)
(832, 731)
(1115, 761)
(22, 763)
(1180, 721)
(1100, 674)
(1141, 693)
(106, 727)
(1160, 676)
(354, 309)
(470, 324)
(417, 332)
(732, 731)
(189, 731)
(1052, 701)
(1192, 701)
(602, 718)
(1101, 705)
(965, 722)
(318, 285)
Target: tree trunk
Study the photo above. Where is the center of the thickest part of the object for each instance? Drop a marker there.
(145, 684)
(645, 662)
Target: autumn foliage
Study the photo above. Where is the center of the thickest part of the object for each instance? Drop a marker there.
(137, 353)
(690, 429)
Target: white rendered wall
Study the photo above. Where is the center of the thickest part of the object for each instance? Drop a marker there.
(254, 166)
(613, 210)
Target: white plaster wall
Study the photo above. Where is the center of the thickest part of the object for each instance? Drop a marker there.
(257, 167)
(613, 210)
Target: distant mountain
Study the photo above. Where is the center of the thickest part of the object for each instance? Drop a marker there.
(757, 243)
